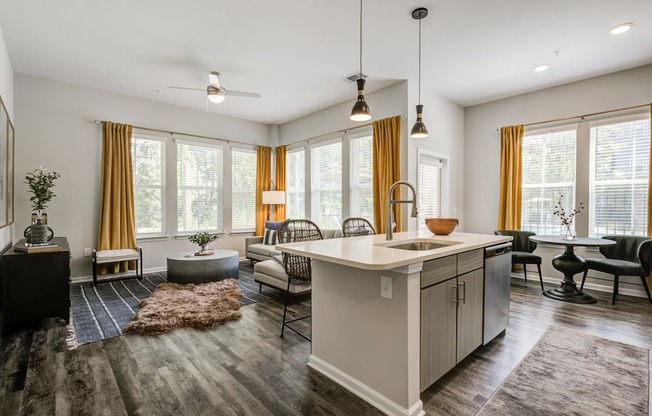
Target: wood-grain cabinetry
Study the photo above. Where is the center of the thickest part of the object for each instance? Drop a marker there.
(451, 312)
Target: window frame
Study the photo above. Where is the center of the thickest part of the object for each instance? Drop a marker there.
(351, 209)
(250, 150)
(313, 146)
(164, 188)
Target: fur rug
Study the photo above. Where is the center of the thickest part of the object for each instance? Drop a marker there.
(174, 306)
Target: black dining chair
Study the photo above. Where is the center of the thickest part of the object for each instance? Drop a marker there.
(630, 256)
(522, 248)
(354, 226)
(298, 268)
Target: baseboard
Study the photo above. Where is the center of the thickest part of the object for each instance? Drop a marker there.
(366, 393)
(592, 286)
(89, 278)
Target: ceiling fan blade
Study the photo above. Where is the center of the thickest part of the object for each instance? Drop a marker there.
(233, 93)
(187, 88)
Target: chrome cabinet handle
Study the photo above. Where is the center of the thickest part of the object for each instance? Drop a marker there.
(457, 291)
(463, 297)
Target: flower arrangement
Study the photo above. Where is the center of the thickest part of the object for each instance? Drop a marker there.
(40, 182)
(203, 239)
(566, 218)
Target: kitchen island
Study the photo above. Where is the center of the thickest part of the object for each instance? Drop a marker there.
(366, 309)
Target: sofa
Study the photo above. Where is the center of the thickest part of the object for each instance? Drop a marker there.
(270, 271)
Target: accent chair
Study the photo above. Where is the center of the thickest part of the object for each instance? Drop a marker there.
(522, 250)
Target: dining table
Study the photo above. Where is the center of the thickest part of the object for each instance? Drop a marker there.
(570, 264)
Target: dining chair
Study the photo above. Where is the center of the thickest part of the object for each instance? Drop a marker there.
(354, 226)
(630, 256)
(298, 268)
(522, 248)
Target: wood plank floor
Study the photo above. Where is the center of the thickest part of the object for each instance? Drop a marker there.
(245, 368)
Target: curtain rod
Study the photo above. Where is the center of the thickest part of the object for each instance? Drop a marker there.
(584, 115)
(184, 134)
(334, 132)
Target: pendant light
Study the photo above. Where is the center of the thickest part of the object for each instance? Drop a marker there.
(360, 110)
(419, 131)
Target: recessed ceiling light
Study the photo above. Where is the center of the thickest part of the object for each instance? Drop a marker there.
(621, 28)
(541, 68)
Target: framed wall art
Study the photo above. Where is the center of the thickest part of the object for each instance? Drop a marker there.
(7, 145)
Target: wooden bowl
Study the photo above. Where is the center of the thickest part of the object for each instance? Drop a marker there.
(442, 226)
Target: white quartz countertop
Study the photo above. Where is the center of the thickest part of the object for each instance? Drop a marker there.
(371, 252)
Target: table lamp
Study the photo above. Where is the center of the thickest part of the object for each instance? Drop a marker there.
(272, 198)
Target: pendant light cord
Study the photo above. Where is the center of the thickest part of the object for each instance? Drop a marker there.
(360, 39)
(419, 61)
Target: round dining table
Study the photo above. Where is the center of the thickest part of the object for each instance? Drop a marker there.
(570, 264)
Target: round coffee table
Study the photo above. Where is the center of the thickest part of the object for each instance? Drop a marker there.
(570, 264)
(186, 268)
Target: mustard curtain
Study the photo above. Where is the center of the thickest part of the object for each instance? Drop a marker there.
(387, 169)
(279, 215)
(117, 224)
(263, 177)
(509, 204)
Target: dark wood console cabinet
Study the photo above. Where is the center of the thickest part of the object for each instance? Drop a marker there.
(35, 286)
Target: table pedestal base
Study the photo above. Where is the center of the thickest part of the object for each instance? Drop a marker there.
(569, 264)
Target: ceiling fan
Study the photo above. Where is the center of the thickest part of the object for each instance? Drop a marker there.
(215, 92)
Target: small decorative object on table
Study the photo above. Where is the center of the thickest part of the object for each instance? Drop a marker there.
(566, 219)
(40, 183)
(202, 240)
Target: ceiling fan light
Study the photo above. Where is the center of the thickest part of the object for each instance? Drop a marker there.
(360, 110)
(419, 130)
(215, 95)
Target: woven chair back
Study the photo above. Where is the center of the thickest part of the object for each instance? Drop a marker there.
(291, 231)
(352, 227)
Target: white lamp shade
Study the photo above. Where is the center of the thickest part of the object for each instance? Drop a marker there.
(274, 197)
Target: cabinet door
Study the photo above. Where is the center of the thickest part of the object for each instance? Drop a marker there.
(438, 316)
(469, 312)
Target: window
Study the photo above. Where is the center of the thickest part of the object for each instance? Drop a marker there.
(618, 178)
(429, 192)
(548, 173)
(148, 161)
(361, 178)
(243, 194)
(295, 176)
(326, 184)
(199, 187)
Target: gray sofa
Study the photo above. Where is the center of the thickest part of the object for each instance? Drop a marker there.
(270, 271)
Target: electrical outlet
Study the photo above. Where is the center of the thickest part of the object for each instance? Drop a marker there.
(386, 287)
(88, 252)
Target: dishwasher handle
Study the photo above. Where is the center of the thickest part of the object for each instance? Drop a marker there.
(498, 250)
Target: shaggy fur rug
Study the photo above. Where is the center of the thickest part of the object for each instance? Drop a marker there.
(174, 306)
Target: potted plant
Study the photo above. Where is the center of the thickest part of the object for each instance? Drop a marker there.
(40, 183)
(203, 239)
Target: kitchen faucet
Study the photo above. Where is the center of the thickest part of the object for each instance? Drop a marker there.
(389, 234)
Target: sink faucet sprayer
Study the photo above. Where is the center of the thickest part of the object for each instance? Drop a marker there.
(389, 234)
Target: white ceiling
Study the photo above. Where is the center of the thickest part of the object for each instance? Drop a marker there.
(296, 52)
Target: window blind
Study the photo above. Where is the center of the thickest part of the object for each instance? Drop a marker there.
(199, 187)
(148, 160)
(243, 189)
(326, 181)
(618, 178)
(429, 189)
(295, 176)
(548, 173)
(361, 178)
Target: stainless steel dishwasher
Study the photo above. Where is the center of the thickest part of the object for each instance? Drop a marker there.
(497, 282)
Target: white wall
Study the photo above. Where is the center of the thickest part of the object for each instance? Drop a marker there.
(482, 141)
(7, 93)
(444, 120)
(55, 128)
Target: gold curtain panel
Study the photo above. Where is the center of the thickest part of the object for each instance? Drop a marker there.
(387, 169)
(263, 177)
(509, 204)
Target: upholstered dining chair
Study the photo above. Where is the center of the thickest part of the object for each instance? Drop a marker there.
(630, 256)
(352, 227)
(298, 268)
(522, 248)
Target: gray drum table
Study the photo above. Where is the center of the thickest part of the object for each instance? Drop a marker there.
(570, 264)
(186, 268)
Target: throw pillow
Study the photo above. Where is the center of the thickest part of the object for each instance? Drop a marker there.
(269, 238)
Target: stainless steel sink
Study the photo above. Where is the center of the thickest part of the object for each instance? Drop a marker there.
(420, 246)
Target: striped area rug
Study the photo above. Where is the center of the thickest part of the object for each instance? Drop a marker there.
(100, 312)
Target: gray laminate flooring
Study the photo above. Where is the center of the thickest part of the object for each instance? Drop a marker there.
(245, 368)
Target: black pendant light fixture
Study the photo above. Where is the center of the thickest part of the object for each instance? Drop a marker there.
(360, 110)
(419, 131)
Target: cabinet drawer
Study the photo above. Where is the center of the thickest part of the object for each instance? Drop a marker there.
(438, 270)
(470, 260)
